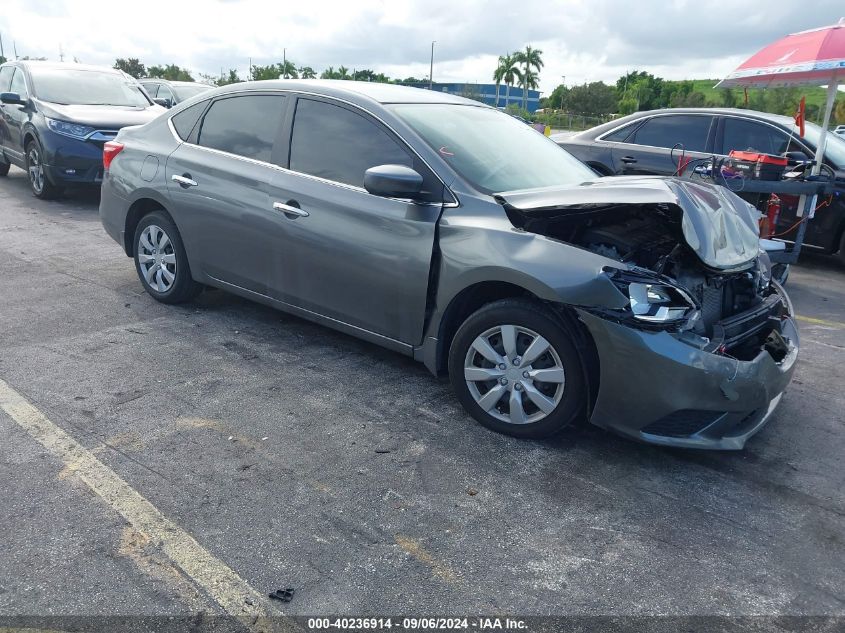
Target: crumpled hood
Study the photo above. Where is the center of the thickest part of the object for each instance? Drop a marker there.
(102, 117)
(719, 226)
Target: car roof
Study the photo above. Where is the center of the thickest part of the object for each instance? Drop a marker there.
(34, 63)
(636, 116)
(361, 91)
(175, 83)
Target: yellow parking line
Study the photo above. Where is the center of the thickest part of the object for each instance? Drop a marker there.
(234, 595)
(814, 321)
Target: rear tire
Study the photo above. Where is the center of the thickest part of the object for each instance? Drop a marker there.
(841, 253)
(503, 382)
(161, 261)
(4, 167)
(38, 181)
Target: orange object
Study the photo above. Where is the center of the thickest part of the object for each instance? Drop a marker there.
(769, 223)
(799, 116)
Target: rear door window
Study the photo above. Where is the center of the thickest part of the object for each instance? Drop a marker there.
(337, 144)
(687, 130)
(743, 134)
(165, 93)
(246, 125)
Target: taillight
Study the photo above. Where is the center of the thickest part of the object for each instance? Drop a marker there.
(110, 150)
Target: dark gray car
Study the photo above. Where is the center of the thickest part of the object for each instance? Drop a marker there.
(450, 232)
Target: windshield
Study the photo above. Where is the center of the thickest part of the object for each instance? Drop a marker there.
(186, 92)
(834, 149)
(86, 87)
(491, 150)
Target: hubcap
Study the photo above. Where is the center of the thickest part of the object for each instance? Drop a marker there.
(36, 171)
(514, 374)
(156, 258)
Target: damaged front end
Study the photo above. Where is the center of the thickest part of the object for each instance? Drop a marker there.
(701, 298)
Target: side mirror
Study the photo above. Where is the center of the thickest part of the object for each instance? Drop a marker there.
(393, 181)
(164, 102)
(11, 98)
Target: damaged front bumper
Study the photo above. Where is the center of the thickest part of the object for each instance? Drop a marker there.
(658, 389)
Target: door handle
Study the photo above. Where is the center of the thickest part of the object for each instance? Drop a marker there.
(184, 180)
(289, 210)
(628, 159)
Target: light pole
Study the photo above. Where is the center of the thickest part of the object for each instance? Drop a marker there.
(431, 69)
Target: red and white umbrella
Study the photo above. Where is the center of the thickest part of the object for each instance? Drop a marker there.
(809, 58)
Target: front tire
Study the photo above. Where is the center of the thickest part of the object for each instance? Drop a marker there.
(161, 262)
(515, 369)
(39, 183)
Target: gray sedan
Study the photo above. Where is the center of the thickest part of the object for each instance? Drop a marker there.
(448, 231)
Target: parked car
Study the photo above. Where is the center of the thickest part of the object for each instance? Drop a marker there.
(642, 144)
(169, 93)
(55, 118)
(840, 130)
(450, 232)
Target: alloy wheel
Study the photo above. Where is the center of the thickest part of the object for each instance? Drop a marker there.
(36, 171)
(156, 258)
(514, 374)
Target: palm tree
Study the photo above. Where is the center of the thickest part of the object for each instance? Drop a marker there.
(287, 69)
(306, 72)
(529, 58)
(510, 75)
(499, 74)
(343, 73)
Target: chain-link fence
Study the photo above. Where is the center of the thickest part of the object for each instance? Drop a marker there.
(558, 120)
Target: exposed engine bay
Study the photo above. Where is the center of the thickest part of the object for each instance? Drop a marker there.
(735, 312)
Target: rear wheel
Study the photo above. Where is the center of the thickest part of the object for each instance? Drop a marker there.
(4, 167)
(161, 262)
(841, 253)
(38, 181)
(516, 370)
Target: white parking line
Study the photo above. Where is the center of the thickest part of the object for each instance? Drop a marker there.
(234, 595)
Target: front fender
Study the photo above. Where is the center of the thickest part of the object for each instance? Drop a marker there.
(552, 270)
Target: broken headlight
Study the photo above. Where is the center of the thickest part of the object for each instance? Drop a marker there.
(654, 300)
(657, 303)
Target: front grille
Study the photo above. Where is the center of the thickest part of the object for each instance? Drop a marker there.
(682, 423)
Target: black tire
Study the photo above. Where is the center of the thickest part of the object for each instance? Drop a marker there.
(4, 167)
(841, 253)
(41, 186)
(182, 287)
(543, 321)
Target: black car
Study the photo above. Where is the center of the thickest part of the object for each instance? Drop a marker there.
(55, 119)
(643, 143)
(169, 93)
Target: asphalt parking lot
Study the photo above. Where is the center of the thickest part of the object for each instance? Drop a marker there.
(296, 456)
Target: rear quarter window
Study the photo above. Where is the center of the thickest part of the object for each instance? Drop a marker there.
(185, 121)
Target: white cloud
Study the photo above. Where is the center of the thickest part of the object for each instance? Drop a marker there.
(585, 40)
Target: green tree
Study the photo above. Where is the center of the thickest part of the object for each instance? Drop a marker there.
(3, 60)
(287, 69)
(558, 98)
(729, 98)
(343, 73)
(171, 72)
(230, 78)
(306, 72)
(643, 88)
(131, 66)
(531, 59)
(593, 98)
(510, 74)
(499, 74)
(838, 111)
